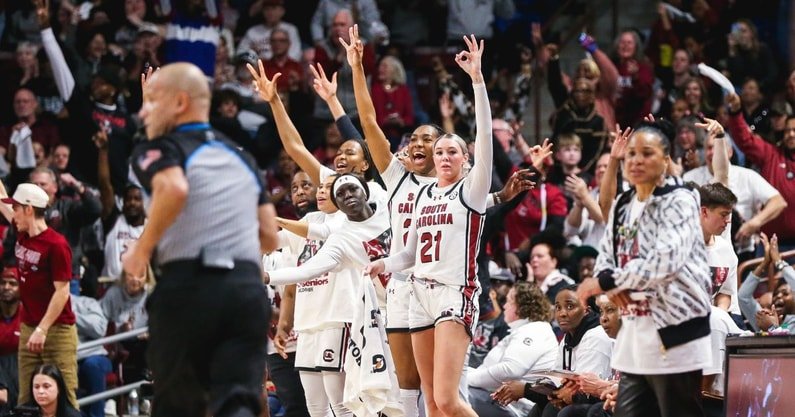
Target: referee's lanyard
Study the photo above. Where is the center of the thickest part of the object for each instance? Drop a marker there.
(189, 127)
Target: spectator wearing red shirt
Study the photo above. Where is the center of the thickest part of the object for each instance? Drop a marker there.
(544, 206)
(776, 164)
(44, 260)
(635, 80)
(392, 100)
(9, 335)
(293, 76)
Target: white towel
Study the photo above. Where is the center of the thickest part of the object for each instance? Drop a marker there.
(371, 387)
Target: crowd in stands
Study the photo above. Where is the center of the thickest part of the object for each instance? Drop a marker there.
(71, 90)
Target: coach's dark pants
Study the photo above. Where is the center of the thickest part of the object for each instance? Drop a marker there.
(672, 395)
(288, 385)
(208, 335)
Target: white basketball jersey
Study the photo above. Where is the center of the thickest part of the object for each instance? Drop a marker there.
(322, 302)
(403, 188)
(448, 236)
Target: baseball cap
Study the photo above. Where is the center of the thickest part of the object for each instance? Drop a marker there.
(29, 195)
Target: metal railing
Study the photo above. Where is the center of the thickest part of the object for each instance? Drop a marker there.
(113, 392)
(752, 263)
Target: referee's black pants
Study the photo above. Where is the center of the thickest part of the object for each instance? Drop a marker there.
(671, 395)
(208, 340)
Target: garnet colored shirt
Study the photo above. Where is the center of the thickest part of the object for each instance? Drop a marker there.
(9, 334)
(42, 260)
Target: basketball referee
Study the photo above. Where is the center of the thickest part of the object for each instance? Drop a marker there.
(209, 221)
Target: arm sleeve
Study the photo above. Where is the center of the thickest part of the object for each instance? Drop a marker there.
(61, 261)
(404, 259)
(555, 83)
(347, 129)
(745, 297)
(479, 179)
(753, 146)
(676, 234)
(60, 70)
(325, 260)
(318, 231)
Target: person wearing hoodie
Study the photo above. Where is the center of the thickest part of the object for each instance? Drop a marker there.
(125, 306)
(92, 364)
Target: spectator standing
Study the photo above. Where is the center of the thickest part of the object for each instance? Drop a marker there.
(192, 33)
(258, 37)
(758, 202)
(749, 57)
(281, 61)
(578, 116)
(392, 100)
(44, 260)
(363, 12)
(756, 113)
(476, 17)
(776, 166)
(331, 55)
(29, 128)
(635, 80)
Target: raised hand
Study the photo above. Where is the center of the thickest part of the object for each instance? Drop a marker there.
(576, 186)
(470, 60)
(42, 13)
(518, 181)
(713, 128)
(619, 148)
(325, 88)
(146, 77)
(733, 102)
(354, 49)
(539, 153)
(446, 107)
(266, 88)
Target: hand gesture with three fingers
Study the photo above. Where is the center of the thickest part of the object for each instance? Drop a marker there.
(619, 148)
(146, 78)
(266, 88)
(354, 49)
(325, 88)
(470, 60)
(539, 153)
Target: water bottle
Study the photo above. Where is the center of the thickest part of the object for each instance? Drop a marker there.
(132, 403)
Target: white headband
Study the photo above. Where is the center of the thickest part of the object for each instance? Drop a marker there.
(346, 179)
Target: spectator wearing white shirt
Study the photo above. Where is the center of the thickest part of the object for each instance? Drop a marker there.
(757, 201)
(257, 38)
(530, 346)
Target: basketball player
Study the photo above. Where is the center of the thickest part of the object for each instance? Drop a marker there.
(362, 237)
(403, 186)
(319, 357)
(352, 156)
(447, 217)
